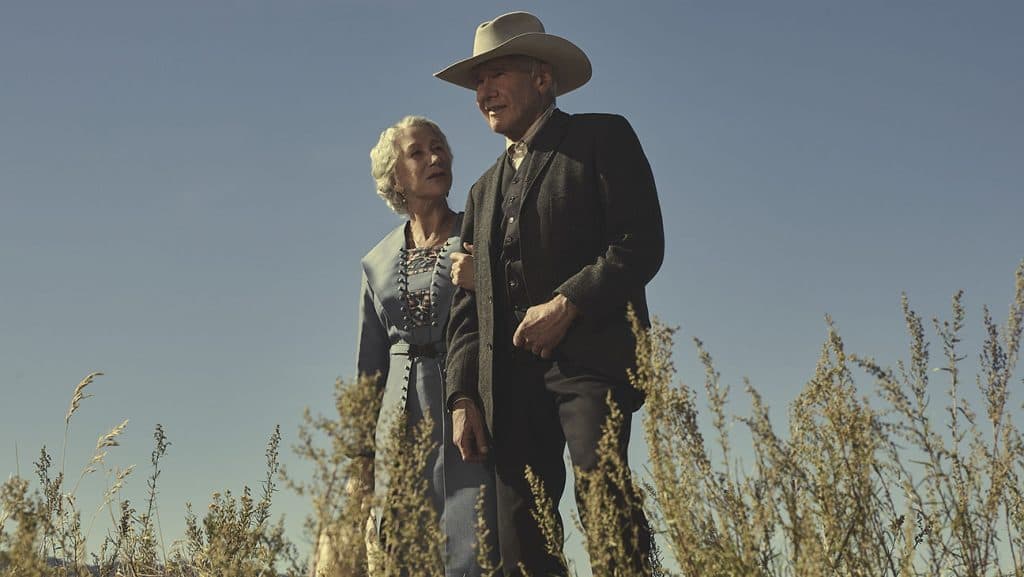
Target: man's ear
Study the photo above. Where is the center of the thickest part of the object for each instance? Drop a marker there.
(542, 80)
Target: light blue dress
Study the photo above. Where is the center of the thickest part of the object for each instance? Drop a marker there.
(405, 298)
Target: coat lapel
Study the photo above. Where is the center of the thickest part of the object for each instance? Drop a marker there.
(489, 209)
(542, 150)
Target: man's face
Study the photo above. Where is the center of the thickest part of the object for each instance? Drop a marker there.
(508, 96)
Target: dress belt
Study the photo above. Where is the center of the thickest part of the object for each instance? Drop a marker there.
(429, 350)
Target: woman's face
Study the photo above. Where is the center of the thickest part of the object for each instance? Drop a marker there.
(424, 166)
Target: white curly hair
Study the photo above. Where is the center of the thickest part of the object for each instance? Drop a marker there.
(384, 157)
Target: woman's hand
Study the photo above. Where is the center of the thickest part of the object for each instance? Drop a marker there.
(360, 481)
(462, 268)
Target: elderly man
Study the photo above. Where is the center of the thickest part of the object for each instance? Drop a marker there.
(566, 231)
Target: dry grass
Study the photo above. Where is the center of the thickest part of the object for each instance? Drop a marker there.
(341, 485)
(41, 532)
(411, 543)
(855, 486)
(882, 484)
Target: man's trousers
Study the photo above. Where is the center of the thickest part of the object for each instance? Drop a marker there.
(540, 407)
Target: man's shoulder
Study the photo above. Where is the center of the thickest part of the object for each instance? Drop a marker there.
(597, 120)
(490, 174)
(602, 129)
(597, 117)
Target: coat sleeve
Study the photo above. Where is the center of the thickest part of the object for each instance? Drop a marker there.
(463, 333)
(373, 353)
(633, 225)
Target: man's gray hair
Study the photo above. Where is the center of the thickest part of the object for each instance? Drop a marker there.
(384, 157)
(531, 65)
(535, 64)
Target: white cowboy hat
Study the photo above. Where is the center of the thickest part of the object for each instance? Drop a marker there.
(521, 33)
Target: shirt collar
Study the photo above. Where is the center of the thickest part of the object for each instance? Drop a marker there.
(533, 130)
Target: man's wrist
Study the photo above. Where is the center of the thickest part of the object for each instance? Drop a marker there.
(456, 399)
(570, 309)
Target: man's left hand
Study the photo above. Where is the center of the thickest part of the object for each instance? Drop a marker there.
(545, 326)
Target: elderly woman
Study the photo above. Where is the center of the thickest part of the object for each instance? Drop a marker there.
(406, 293)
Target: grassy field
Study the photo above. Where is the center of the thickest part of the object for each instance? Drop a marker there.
(878, 471)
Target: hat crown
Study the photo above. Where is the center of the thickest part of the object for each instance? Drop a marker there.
(496, 32)
(521, 34)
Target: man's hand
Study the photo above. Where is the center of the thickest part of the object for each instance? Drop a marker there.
(545, 326)
(462, 268)
(468, 431)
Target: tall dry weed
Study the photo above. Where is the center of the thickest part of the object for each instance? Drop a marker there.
(411, 538)
(855, 485)
(341, 484)
(410, 542)
(46, 537)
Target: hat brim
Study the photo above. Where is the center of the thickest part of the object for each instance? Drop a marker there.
(571, 66)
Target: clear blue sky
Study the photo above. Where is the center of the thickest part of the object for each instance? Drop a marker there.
(185, 194)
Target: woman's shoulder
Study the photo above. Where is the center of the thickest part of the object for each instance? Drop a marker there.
(386, 249)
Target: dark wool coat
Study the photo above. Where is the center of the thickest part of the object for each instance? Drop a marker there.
(591, 230)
